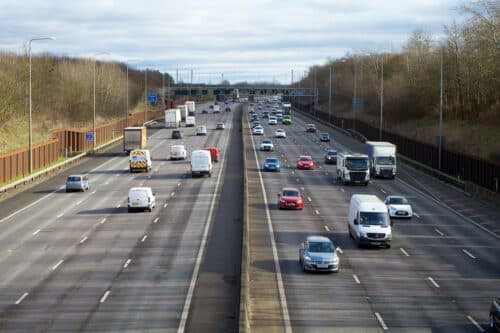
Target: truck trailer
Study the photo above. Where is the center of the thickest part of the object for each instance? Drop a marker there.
(191, 108)
(382, 157)
(134, 138)
(172, 118)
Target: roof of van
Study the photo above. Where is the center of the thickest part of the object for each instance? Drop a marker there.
(369, 202)
(140, 188)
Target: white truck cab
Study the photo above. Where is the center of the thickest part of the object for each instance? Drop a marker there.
(353, 168)
(368, 221)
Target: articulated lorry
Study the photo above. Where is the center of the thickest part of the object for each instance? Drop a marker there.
(172, 118)
(353, 168)
(184, 111)
(191, 108)
(134, 138)
(382, 157)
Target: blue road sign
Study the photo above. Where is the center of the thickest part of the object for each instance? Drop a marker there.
(152, 97)
(90, 136)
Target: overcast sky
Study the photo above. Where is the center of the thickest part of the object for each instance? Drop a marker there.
(246, 40)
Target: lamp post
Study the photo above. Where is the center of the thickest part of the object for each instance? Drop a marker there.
(30, 122)
(381, 100)
(441, 92)
(330, 97)
(146, 94)
(127, 110)
(94, 138)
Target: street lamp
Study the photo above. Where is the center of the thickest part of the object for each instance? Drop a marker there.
(330, 96)
(30, 113)
(381, 99)
(94, 138)
(440, 136)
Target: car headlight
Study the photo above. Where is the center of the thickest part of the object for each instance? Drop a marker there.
(307, 258)
(389, 236)
(266, 165)
(336, 260)
(282, 200)
(362, 234)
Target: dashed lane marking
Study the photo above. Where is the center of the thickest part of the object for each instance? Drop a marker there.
(57, 265)
(155, 220)
(404, 251)
(469, 254)
(439, 232)
(433, 281)
(84, 239)
(104, 297)
(36, 232)
(20, 299)
(355, 277)
(127, 263)
(381, 321)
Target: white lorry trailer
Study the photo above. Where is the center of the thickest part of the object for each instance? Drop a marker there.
(353, 168)
(191, 108)
(172, 118)
(382, 157)
(184, 111)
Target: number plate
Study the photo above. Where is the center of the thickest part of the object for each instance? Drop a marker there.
(322, 265)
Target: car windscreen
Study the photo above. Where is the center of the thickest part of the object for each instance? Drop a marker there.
(398, 201)
(332, 153)
(373, 218)
(74, 179)
(290, 193)
(307, 159)
(321, 247)
(271, 160)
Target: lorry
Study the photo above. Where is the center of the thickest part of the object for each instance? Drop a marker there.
(184, 111)
(353, 168)
(191, 108)
(172, 118)
(134, 138)
(382, 158)
(287, 108)
(216, 108)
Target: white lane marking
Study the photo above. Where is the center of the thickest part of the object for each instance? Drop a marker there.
(103, 220)
(284, 307)
(57, 265)
(20, 299)
(302, 188)
(84, 239)
(309, 199)
(106, 183)
(172, 194)
(433, 282)
(36, 232)
(78, 202)
(381, 321)
(127, 263)
(93, 192)
(201, 250)
(469, 254)
(149, 177)
(119, 205)
(142, 184)
(165, 205)
(326, 228)
(144, 238)
(60, 215)
(416, 214)
(316, 211)
(381, 190)
(355, 277)
(404, 252)
(293, 172)
(155, 220)
(339, 250)
(475, 324)
(439, 232)
(342, 189)
(103, 298)
(178, 184)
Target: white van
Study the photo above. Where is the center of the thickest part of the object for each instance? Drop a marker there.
(368, 221)
(178, 152)
(201, 163)
(141, 198)
(140, 160)
(190, 121)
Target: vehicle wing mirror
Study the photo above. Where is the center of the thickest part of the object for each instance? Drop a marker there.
(302, 196)
(279, 194)
(356, 221)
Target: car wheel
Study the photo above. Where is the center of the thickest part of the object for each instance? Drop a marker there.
(388, 246)
(304, 269)
(350, 233)
(150, 209)
(67, 190)
(129, 210)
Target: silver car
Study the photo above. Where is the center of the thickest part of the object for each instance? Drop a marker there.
(77, 183)
(318, 253)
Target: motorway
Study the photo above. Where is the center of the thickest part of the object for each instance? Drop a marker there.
(79, 262)
(440, 275)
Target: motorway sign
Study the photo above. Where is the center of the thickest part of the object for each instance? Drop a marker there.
(89, 136)
(152, 97)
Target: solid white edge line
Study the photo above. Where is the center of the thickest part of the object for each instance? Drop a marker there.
(20, 299)
(308, 198)
(57, 265)
(155, 220)
(127, 263)
(36, 232)
(201, 250)
(469, 254)
(279, 278)
(103, 298)
(165, 205)
(404, 251)
(439, 232)
(103, 220)
(326, 228)
(316, 211)
(433, 282)
(84, 239)
(381, 321)
(355, 277)
(475, 323)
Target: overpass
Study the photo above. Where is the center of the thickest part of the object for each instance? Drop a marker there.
(257, 90)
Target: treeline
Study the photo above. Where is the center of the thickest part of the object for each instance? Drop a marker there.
(471, 66)
(62, 93)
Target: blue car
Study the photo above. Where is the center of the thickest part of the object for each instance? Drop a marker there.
(272, 164)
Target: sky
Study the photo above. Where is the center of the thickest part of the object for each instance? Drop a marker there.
(258, 40)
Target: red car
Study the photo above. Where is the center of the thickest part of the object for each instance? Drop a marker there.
(305, 162)
(214, 153)
(290, 198)
(311, 128)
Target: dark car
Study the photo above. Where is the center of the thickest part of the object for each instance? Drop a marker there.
(211, 107)
(310, 128)
(494, 321)
(228, 109)
(331, 156)
(204, 111)
(324, 137)
(177, 134)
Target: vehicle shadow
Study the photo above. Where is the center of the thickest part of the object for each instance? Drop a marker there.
(109, 172)
(103, 211)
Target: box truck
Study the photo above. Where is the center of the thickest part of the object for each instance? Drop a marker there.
(134, 138)
(172, 118)
(184, 111)
(191, 108)
(353, 168)
(382, 157)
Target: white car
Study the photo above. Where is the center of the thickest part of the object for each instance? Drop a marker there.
(398, 206)
(258, 130)
(266, 145)
(141, 198)
(272, 120)
(280, 133)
